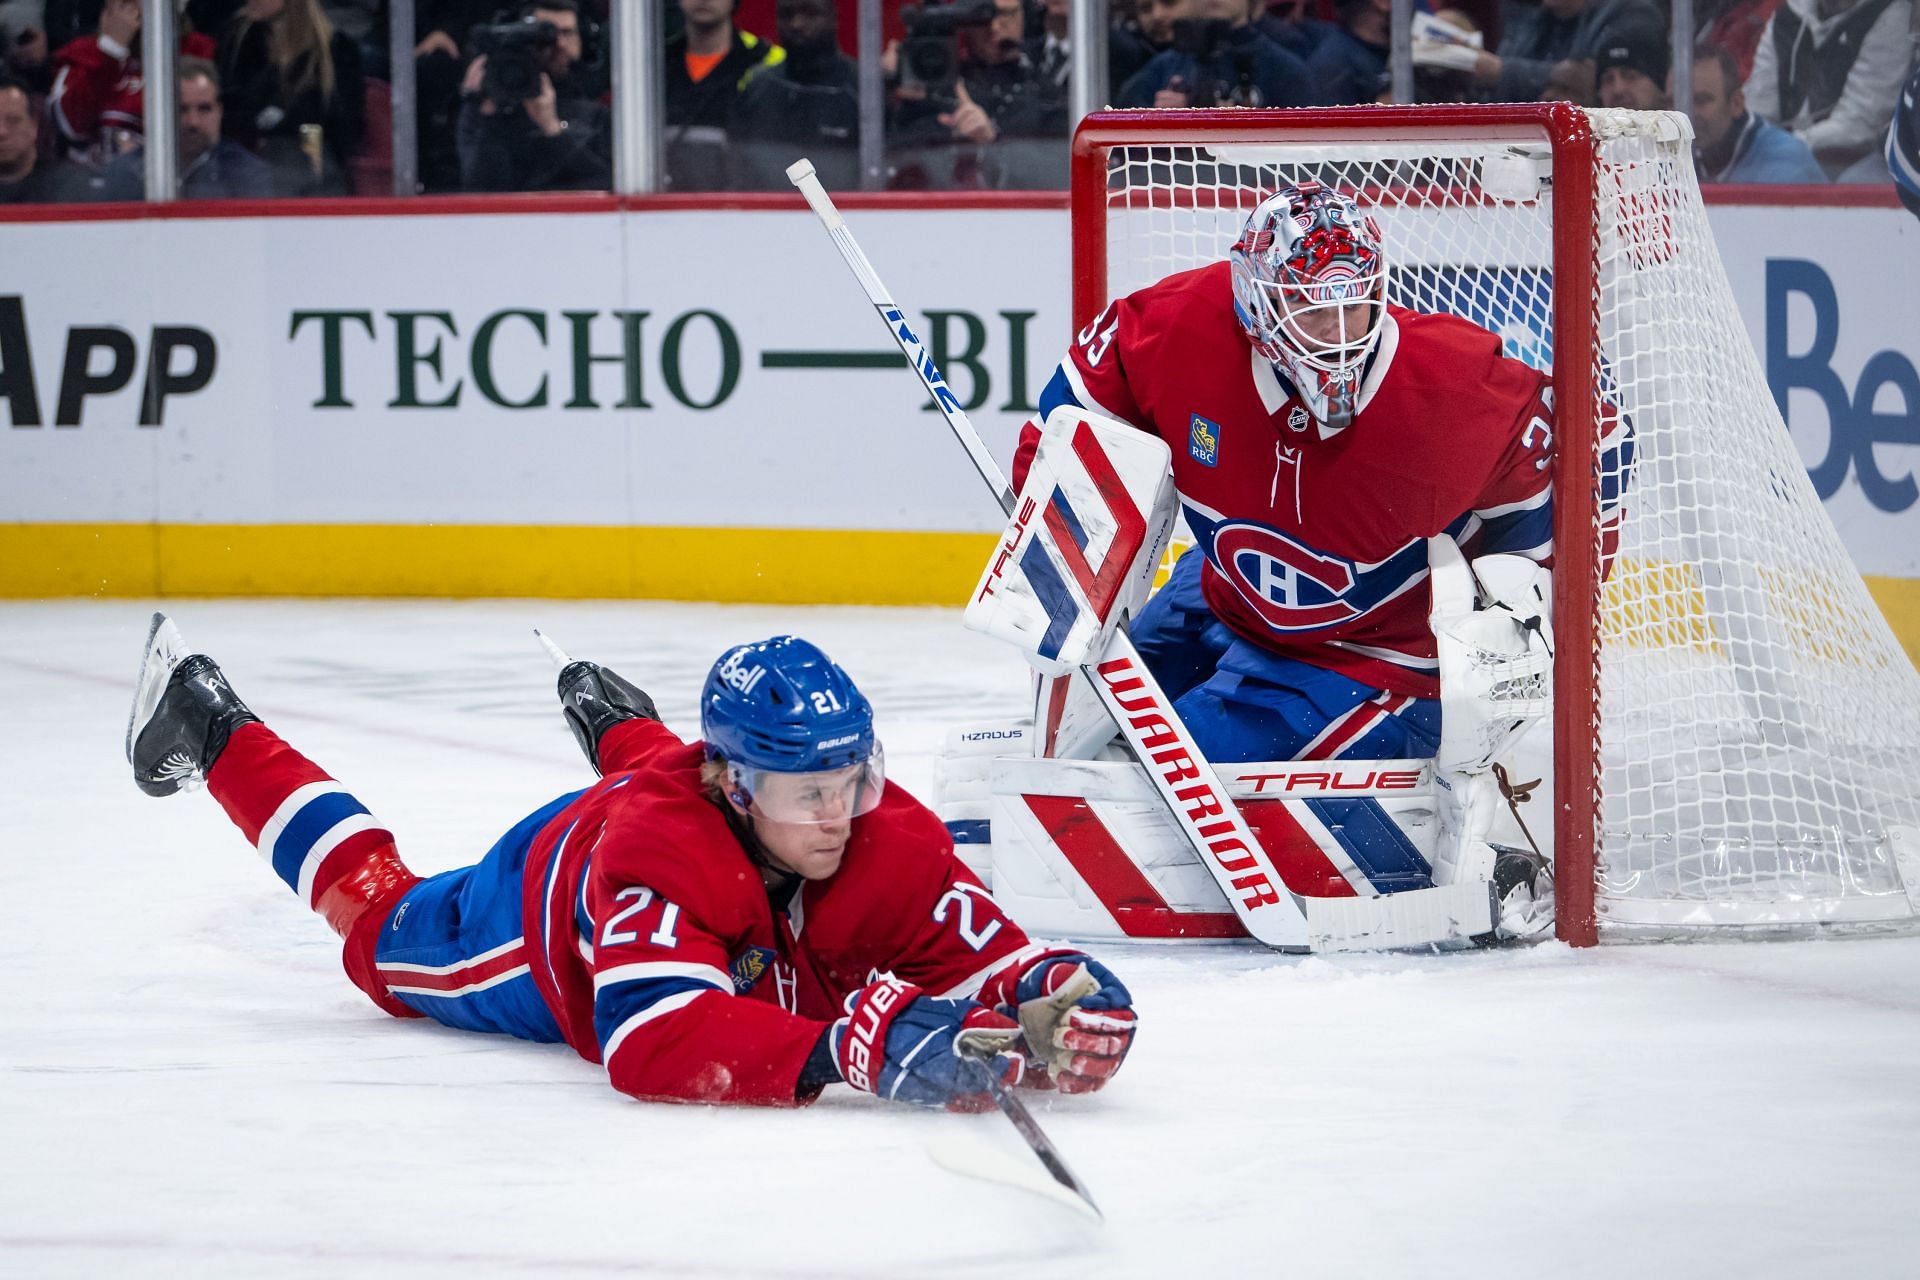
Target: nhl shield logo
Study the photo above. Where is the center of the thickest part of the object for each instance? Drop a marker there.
(1297, 418)
(1203, 441)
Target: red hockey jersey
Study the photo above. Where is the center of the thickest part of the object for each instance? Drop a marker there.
(660, 954)
(97, 91)
(1314, 538)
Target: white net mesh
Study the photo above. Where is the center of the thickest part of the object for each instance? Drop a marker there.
(1757, 721)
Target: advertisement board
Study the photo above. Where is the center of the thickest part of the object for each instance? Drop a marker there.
(677, 402)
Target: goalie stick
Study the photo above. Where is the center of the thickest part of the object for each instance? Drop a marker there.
(1186, 782)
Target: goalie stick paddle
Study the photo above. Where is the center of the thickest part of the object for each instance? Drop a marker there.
(1187, 783)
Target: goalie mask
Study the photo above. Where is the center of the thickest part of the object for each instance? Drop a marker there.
(1309, 284)
(795, 734)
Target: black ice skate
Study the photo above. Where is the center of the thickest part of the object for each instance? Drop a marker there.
(183, 713)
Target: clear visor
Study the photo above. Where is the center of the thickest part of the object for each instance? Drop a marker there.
(828, 796)
(1330, 325)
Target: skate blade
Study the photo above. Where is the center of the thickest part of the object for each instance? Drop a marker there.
(165, 650)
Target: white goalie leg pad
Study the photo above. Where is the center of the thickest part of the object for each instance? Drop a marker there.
(1467, 804)
(1081, 849)
(1494, 641)
(962, 793)
(1086, 535)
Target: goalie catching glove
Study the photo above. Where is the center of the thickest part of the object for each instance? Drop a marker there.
(906, 1046)
(1076, 1016)
(1494, 640)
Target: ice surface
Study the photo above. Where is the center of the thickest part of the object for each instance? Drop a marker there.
(190, 1087)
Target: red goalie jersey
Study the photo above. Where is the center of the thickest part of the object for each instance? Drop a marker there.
(1315, 538)
(662, 956)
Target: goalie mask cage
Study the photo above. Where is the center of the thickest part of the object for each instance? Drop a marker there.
(1735, 728)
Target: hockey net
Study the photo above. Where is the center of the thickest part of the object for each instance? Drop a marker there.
(1736, 729)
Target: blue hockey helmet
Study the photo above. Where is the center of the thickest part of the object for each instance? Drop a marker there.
(782, 707)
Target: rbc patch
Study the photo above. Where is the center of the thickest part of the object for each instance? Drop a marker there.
(748, 968)
(1203, 441)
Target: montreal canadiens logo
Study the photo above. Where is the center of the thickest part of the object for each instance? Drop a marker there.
(1291, 587)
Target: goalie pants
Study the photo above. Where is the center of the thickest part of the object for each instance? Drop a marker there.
(450, 947)
(1243, 702)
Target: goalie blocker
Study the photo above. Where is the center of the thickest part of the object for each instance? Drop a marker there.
(1070, 832)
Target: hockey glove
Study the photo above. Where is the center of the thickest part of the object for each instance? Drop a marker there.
(594, 700)
(1077, 1017)
(907, 1046)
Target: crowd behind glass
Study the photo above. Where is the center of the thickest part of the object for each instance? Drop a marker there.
(291, 98)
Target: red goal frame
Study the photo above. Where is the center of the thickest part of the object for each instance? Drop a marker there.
(1577, 553)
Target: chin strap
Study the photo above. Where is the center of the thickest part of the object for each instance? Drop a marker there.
(780, 883)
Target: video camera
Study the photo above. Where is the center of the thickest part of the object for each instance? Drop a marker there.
(515, 52)
(927, 55)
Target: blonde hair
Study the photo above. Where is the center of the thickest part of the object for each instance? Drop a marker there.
(300, 46)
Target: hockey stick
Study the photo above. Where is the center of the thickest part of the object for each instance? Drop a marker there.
(976, 1161)
(1186, 782)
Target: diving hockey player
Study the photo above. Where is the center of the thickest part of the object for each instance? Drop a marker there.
(745, 919)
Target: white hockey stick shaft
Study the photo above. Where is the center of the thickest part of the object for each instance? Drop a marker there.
(800, 172)
(1187, 783)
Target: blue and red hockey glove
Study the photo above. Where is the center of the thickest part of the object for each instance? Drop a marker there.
(907, 1046)
(1077, 1018)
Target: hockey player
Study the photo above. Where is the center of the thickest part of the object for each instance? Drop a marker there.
(745, 919)
(1319, 438)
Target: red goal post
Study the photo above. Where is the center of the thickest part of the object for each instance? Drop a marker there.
(1726, 716)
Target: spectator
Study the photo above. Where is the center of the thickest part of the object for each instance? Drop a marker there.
(1733, 25)
(440, 60)
(23, 44)
(1633, 73)
(1546, 52)
(1220, 59)
(1286, 23)
(1445, 76)
(997, 73)
(1132, 46)
(1829, 71)
(25, 176)
(1050, 51)
(1349, 65)
(212, 167)
(95, 100)
(808, 104)
(1730, 144)
(996, 91)
(707, 66)
(292, 93)
(514, 140)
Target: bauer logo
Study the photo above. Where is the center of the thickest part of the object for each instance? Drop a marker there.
(1203, 441)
